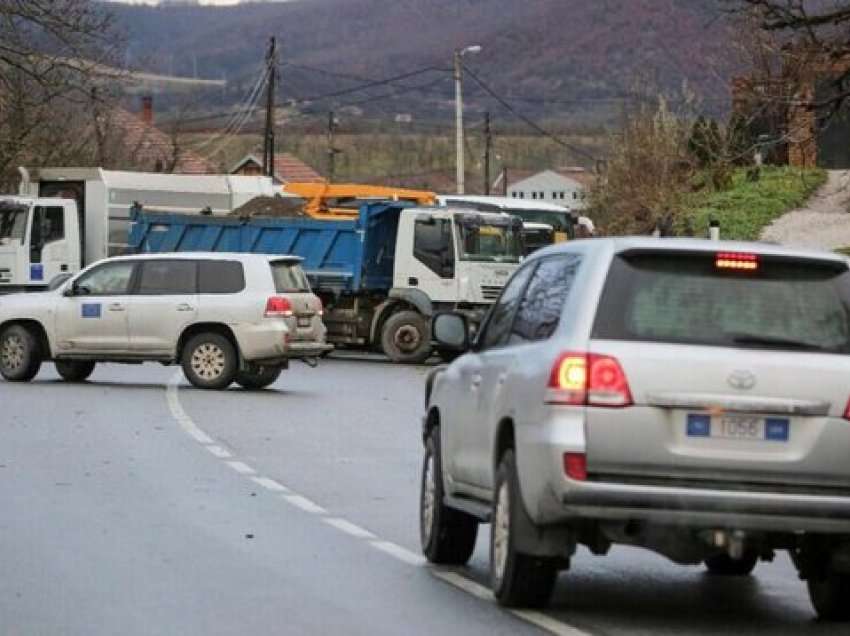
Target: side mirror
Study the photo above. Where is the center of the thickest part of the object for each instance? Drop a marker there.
(451, 331)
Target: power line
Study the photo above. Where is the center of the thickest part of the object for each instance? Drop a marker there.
(530, 122)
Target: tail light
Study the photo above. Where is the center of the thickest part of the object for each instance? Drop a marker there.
(588, 379)
(736, 260)
(278, 306)
(321, 310)
(575, 466)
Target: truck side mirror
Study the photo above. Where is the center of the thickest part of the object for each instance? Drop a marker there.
(451, 331)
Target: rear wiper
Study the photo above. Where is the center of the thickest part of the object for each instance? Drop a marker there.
(756, 339)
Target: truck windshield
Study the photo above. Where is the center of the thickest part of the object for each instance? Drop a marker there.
(561, 222)
(13, 222)
(498, 243)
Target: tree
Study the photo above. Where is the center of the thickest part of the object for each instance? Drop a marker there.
(53, 54)
(819, 29)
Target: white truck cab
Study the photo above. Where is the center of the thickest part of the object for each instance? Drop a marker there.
(39, 240)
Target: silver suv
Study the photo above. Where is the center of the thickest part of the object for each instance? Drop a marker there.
(690, 397)
(224, 317)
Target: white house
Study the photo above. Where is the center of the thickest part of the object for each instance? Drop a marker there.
(564, 186)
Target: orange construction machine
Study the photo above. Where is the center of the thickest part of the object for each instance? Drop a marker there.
(342, 200)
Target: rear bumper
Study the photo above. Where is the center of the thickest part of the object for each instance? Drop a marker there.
(711, 508)
(307, 349)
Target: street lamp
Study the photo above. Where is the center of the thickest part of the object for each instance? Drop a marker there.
(458, 73)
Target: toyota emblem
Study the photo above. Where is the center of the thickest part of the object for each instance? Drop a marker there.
(742, 380)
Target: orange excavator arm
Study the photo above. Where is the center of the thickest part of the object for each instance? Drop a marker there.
(319, 196)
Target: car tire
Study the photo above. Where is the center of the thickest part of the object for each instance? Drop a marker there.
(830, 596)
(518, 580)
(210, 361)
(447, 535)
(406, 337)
(20, 354)
(724, 565)
(74, 370)
(259, 378)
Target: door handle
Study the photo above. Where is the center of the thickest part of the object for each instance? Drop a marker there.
(116, 307)
(476, 381)
(413, 281)
(502, 378)
(185, 307)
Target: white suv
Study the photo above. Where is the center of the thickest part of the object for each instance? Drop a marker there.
(224, 317)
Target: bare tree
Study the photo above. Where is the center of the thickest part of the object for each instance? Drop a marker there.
(817, 28)
(53, 53)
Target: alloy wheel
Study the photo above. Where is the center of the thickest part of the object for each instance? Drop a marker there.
(12, 353)
(208, 361)
(501, 532)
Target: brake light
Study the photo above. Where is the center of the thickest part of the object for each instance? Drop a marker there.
(278, 306)
(588, 379)
(321, 307)
(575, 466)
(736, 260)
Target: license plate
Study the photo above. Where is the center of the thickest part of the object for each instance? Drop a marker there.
(304, 321)
(747, 427)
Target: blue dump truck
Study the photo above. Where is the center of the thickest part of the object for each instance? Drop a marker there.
(380, 276)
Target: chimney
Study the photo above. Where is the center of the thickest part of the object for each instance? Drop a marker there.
(147, 109)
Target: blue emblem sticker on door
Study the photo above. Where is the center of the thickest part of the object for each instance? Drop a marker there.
(36, 271)
(91, 310)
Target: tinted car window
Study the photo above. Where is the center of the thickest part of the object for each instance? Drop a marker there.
(289, 277)
(498, 325)
(220, 277)
(687, 299)
(541, 306)
(168, 277)
(111, 279)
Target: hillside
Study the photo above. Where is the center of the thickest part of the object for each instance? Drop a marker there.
(548, 56)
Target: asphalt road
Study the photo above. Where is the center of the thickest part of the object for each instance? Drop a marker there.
(133, 508)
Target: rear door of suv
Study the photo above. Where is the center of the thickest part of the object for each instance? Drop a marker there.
(737, 367)
(164, 303)
(291, 284)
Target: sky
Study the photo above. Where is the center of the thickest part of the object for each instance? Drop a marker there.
(213, 2)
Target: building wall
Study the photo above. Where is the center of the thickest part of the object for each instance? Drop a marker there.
(550, 187)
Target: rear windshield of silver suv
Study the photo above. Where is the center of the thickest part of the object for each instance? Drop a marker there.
(289, 278)
(727, 300)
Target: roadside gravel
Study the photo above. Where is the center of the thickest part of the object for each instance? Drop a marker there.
(824, 223)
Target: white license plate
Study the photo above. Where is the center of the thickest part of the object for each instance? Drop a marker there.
(731, 426)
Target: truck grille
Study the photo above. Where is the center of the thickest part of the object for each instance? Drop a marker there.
(5, 275)
(491, 292)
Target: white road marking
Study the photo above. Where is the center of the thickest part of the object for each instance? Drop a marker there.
(387, 547)
(270, 484)
(347, 527)
(402, 554)
(218, 451)
(242, 468)
(180, 415)
(305, 504)
(482, 592)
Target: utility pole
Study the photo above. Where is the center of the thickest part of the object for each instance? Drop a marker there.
(331, 148)
(459, 163)
(504, 181)
(458, 75)
(268, 144)
(488, 142)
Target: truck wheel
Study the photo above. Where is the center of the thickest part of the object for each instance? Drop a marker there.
(519, 580)
(209, 361)
(74, 370)
(406, 337)
(724, 565)
(20, 354)
(830, 596)
(258, 377)
(447, 535)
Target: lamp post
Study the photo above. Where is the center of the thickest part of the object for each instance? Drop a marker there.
(458, 74)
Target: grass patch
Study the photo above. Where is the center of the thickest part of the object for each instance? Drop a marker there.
(748, 207)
